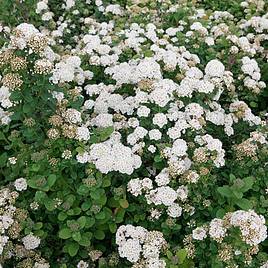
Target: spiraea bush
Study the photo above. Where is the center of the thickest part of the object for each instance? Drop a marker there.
(133, 134)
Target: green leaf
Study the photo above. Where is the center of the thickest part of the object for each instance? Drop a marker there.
(100, 216)
(86, 205)
(62, 216)
(104, 133)
(85, 239)
(238, 194)
(3, 159)
(82, 190)
(82, 221)
(90, 222)
(65, 233)
(248, 183)
(158, 158)
(99, 234)
(253, 104)
(50, 204)
(51, 180)
(70, 212)
(97, 193)
(73, 249)
(232, 177)
(80, 150)
(220, 213)
(102, 200)
(38, 226)
(244, 204)
(27, 108)
(76, 236)
(40, 183)
(112, 227)
(169, 254)
(2, 136)
(70, 199)
(123, 203)
(106, 182)
(225, 191)
(35, 167)
(40, 233)
(77, 211)
(40, 197)
(119, 217)
(182, 253)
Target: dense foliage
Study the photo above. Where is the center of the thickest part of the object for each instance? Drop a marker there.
(133, 133)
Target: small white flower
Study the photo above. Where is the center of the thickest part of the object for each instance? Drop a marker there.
(174, 210)
(20, 184)
(30, 241)
(199, 233)
(82, 264)
(214, 68)
(12, 160)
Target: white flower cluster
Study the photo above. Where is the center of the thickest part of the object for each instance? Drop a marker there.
(137, 244)
(4, 97)
(41, 264)
(82, 264)
(5, 103)
(6, 214)
(26, 32)
(28, 38)
(69, 70)
(219, 117)
(199, 233)
(137, 186)
(214, 68)
(5, 117)
(162, 92)
(265, 265)
(217, 230)
(161, 195)
(132, 73)
(114, 9)
(82, 133)
(20, 184)
(252, 81)
(260, 24)
(72, 116)
(112, 155)
(30, 241)
(251, 225)
(43, 8)
(240, 110)
(99, 49)
(211, 146)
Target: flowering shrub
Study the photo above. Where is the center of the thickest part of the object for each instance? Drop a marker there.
(133, 134)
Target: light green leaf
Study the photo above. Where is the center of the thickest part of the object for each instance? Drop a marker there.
(65, 233)
(51, 180)
(225, 191)
(85, 239)
(62, 216)
(123, 203)
(76, 236)
(73, 249)
(182, 253)
(82, 221)
(248, 183)
(244, 204)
